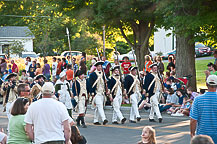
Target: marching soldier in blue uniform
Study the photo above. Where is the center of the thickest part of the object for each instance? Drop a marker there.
(115, 90)
(133, 89)
(152, 86)
(98, 89)
(80, 91)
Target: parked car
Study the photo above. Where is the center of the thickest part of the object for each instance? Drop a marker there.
(74, 53)
(167, 54)
(202, 50)
(129, 54)
(29, 54)
(4, 56)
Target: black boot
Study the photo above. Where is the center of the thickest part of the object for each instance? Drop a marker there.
(82, 122)
(78, 120)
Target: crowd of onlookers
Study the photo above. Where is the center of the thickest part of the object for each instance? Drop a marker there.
(177, 98)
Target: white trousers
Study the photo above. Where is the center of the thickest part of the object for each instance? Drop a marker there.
(116, 108)
(154, 106)
(8, 109)
(134, 112)
(81, 105)
(99, 111)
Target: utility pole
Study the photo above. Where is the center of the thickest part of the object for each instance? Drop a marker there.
(103, 27)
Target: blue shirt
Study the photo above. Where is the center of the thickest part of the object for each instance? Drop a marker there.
(204, 110)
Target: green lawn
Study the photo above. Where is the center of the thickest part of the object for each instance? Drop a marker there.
(201, 66)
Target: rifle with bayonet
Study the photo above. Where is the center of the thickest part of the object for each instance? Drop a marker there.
(116, 52)
(134, 57)
(106, 87)
(74, 79)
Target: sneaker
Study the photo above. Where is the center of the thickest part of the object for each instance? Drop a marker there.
(177, 114)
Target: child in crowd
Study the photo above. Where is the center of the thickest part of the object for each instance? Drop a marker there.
(23, 76)
(168, 83)
(38, 69)
(76, 137)
(9, 68)
(5, 75)
(170, 101)
(184, 109)
(69, 73)
(181, 96)
(148, 136)
(191, 94)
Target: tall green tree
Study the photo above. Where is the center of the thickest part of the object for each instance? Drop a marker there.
(187, 18)
(128, 16)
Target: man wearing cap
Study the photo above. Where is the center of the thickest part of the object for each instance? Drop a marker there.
(98, 89)
(153, 88)
(80, 91)
(9, 92)
(132, 88)
(62, 89)
(125, 66)
(115, 88)
(36, 89)
(47, 119)
(204, 111)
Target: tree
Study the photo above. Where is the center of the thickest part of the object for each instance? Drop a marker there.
(187, 18)
(136, 17)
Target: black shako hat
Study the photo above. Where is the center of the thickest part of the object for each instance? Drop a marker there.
(78, 73)
(152, 65)
(99, 63)
(115, 67)
(132, 68)
(39, 76)
(10, 75)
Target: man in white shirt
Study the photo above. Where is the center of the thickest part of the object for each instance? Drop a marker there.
(54, 69)
(47, 119)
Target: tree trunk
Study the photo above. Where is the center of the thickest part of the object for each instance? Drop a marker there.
(141, 33)
(185, 58)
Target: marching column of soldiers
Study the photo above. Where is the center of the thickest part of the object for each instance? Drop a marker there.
(98, 89)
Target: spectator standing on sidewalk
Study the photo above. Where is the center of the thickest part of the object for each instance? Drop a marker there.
(204, 111)
(46, 70)
(47, 119)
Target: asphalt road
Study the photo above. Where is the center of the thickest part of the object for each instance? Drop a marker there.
(173, 130)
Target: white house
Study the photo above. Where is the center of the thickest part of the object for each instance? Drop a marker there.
(10, 34)
(162, 42)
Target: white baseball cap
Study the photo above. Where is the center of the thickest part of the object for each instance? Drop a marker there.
(212, 80)
(48, 88)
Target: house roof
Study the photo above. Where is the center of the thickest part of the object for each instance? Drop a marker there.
(15, 32)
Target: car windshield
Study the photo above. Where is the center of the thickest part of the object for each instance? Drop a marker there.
(2, 56)
(29, 55)
(200, 46)
(73, 53)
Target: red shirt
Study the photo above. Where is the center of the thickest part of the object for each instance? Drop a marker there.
(126, 66)
(69, 74)
(14, 67)
(59, 65)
